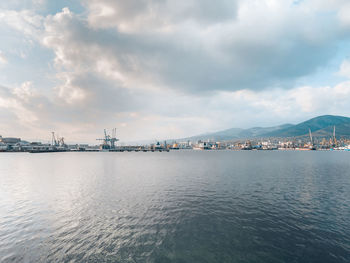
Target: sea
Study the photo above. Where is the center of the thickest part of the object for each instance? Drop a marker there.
(178, 206)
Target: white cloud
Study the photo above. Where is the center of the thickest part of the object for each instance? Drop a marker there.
(171, 115)
(343, 15)
(160, 69)
(3, 59)
(22, 4)
(267, 45)
(25, 21)
(345, 69)
(159, 15)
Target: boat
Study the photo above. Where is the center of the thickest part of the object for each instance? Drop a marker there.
(202, 146)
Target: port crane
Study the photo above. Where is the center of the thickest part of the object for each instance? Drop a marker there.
(334, 138)
(57, 141)
(109, 140)
(311, 140)
(312, 145)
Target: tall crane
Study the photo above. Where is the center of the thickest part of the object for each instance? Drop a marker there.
(334, 138)
(108, 140)
(53, 139)
(312, 144)
(113, 139)
(311, 140)
(57, 141)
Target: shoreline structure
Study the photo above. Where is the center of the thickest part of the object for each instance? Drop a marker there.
(11, 144)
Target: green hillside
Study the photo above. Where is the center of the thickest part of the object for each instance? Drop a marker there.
(319, 126)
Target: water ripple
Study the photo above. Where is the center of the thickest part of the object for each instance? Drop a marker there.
(184, 206)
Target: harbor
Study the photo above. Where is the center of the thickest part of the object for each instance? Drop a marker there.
(109, 144)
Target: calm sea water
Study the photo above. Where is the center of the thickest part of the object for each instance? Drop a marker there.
(181, 206)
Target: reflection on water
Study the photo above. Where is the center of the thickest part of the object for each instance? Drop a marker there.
(181, 206)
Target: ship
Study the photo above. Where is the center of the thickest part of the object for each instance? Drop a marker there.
(202, 146)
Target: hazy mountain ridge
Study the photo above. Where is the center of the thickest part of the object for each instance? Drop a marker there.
(237, 133)
(321, 126)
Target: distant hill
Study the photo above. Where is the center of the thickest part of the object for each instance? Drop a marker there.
(236, 133)
(321, 126)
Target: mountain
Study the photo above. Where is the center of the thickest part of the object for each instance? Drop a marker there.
(321, 126)
(236, 133)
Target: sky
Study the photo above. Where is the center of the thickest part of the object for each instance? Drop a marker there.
(162, 69)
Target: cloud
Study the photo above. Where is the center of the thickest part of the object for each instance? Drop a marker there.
(343, 15)
(21, 4)
(136, 15)
(3, 59)
(25, 21)
(158, 69)
(266, 45)
(170, 115)
(345, 69)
